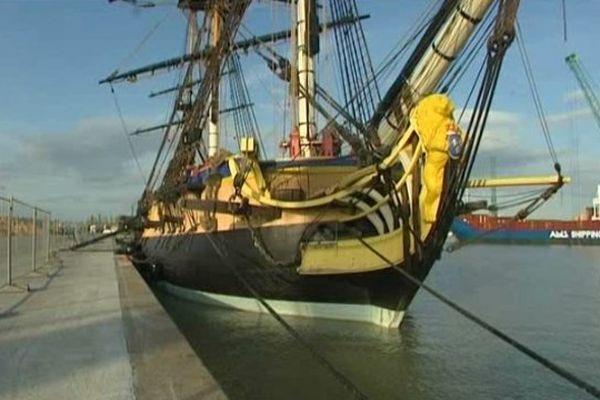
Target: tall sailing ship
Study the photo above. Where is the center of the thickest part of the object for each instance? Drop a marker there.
(369, 183)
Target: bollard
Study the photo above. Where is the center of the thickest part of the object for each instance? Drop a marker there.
(9, 242)
(34, 239)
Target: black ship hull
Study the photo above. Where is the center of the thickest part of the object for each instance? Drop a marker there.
(210, 268)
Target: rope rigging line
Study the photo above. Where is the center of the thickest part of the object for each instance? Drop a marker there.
(274, 60)
(282, 68)
(479, 119)
(461, 171)
(245, 121)
(517, 201)
(471, 92)
(399, 84)
(359, 100)
(190, 143)
(497, 45)
(126, 133)
(545, 362)
(142, 43)
(564, 19)
(239, 126)
(537, 201)
(421, 24)
(339, 376)
(354, 61)
(515, 198)
(367, 53)
(535, 94)
(267, 46)
(392, 57)
(588, 77)
(156, 168)
(458, 69)
(534, 203)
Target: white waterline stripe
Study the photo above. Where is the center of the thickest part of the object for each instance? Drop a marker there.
(350, 312)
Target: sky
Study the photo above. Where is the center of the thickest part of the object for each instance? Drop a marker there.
(63, 142)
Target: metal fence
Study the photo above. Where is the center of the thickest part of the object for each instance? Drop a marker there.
(29, 238)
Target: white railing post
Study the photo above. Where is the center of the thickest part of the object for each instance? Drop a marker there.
(48, 237)
(34, 239)
(9, 242)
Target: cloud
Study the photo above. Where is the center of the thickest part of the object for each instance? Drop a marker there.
(95, 149)
(88, 169)
(566, 116)
(509, 139)
(574, 96)
(506, 139)
(501, 131)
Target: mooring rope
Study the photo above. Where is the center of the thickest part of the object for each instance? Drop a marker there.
(339, 376)
(560, 371)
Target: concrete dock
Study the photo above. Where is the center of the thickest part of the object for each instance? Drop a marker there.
(90, 328)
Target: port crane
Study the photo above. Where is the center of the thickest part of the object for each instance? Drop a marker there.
(585, 83)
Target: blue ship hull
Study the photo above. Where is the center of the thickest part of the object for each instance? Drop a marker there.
(465, 231)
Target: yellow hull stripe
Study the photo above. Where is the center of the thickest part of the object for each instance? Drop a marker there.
(350, 255)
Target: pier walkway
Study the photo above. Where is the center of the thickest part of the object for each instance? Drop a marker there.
(90, 328)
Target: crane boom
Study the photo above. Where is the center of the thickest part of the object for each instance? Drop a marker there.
(584, 82)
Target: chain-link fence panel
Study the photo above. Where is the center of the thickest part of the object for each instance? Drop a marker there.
(43, 238)
(29, 237)
(22, 230)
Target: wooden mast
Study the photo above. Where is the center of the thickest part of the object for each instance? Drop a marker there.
(213, 120)
(306, 77)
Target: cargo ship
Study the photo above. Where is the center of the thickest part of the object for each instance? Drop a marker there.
(485, 228)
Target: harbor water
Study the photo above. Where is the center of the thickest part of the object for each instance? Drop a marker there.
(546, 297)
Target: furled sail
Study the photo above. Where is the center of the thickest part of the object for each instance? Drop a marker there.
(441, 44)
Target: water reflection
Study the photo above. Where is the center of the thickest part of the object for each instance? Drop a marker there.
(546, 297)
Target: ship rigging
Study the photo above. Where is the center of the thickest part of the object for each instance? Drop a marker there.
(399, 184)
(363, 169)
